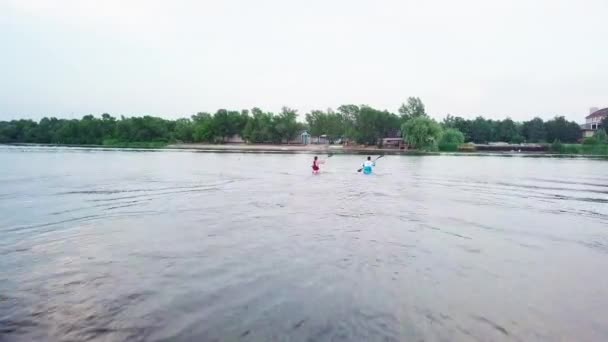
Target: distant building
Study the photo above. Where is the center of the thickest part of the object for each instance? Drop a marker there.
(393, 143)
(593, 121)
(235, 139)
(321, 140)
(305, 138)
(392, 139)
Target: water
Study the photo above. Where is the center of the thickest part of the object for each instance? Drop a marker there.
(182, 246)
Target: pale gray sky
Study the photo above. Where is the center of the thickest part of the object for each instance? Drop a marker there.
(517, 58)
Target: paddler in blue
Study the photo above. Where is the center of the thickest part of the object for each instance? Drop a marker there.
(368, 166)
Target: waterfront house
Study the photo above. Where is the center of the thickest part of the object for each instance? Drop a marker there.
(593, 121)
(392, 139)
(393, 143)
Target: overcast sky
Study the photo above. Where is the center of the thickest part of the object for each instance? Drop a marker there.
(517, 58)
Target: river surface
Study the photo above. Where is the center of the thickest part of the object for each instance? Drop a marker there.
(111, 245)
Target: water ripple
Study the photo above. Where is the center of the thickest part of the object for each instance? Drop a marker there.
(112, 246)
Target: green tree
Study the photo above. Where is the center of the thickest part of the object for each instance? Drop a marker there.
(142, 129)
(68, 133)
(534, 130)
(507, 131)
(449, 121)
(413, 109)
(481, 130)
(316, 120)
(184, 130)
(451, 139)
(459, 123)
(286, 125)
(333, 125)
(8, 132)
(241, 122)
(561, 129)
(365, 126)
(422, 133)
(452, 136)
(260, 128)
(108, 124)
(227, 123)
(90, 131)
(348, 114)
(46, 130)
(601, 136)
(371, 125)
(203, 127)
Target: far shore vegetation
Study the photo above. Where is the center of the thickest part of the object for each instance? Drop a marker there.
(361, 125)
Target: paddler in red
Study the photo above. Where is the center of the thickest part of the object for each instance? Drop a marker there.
(315, 166)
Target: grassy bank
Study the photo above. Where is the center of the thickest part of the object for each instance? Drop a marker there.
(448, 147)
(596, 150)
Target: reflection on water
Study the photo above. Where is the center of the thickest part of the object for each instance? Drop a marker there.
(108, 245)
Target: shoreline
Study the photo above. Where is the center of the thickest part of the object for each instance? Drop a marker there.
(313, 149)
(321, 149)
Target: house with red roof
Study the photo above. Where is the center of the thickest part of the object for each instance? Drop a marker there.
(593, 121)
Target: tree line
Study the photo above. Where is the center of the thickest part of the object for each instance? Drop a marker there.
(256, 127)
(361, 124)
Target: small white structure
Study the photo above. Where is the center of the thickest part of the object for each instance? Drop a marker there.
(305, 138)
(235, 139)
(321, 140)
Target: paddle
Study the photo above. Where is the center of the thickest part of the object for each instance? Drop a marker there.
(373, 161)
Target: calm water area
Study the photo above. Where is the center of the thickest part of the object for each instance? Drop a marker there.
(119, 245)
